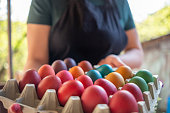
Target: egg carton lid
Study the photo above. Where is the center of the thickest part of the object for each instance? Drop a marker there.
(49, 103)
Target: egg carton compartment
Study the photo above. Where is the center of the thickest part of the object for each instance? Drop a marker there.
(49, 103)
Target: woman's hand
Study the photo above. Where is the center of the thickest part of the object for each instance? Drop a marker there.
(133, 53)
(15, 108)
(112, 60)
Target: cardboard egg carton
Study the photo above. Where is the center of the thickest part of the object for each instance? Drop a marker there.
(49, 103)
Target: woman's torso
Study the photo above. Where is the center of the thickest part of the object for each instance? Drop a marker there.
(56, 8)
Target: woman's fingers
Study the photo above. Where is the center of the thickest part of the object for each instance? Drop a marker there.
(114, 61)
(15, 108)
(117, 62)
(101, 62)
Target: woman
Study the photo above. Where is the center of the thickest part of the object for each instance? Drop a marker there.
(93, 30)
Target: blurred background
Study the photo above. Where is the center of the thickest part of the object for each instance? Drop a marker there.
(152, 19)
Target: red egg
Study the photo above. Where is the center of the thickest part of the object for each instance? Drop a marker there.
(109, 87)
(45, 70)
(64, 75)
(29, 77)
(92, 96)
(85, 65)
(135, 90)
(15, 108)
(69, 88)
(59, 65)
(85, 80)
(123, 102)
(49, 82)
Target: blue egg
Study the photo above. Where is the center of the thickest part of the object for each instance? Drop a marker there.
(94, 75)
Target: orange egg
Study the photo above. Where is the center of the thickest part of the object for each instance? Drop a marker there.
(116, 79)
(125, 71)
(45, 70)
(85, 65)
(76, 71)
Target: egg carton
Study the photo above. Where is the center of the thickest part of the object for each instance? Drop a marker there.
(49, 103)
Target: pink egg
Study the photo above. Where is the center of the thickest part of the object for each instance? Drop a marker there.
(64, 75)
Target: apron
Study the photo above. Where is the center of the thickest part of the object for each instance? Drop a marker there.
(87, 32)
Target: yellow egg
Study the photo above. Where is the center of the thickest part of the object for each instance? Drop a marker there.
(125, 71)
(116, 79)
(76, 71)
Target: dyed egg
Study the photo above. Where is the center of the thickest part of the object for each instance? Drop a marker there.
(109, 87)
(146, 75)
(123, 102)
(94, 75)
(30, 77)
(69, 88)
(85, 65)
(70, 62)
(125, 71)
(135, 90)
(59, 65)
(92, 96)
(64, 75)
(45, 70)
(76, 71)
(49, 82)
(105, 69)
(85, 80)
(116, 79)
(140, 82)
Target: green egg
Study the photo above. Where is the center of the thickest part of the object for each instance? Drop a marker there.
(94, 75)
(105, 69)
(140, 82)
(146, 75)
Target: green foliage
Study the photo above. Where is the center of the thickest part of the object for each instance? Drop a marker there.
(155, 25)
(19, 47)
